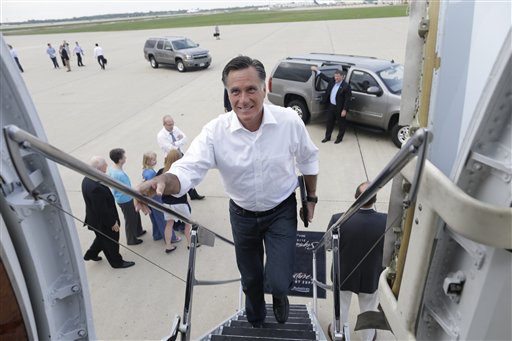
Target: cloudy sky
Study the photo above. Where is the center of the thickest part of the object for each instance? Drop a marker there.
(22, 10)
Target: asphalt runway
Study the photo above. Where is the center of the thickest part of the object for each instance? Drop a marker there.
(88, 112)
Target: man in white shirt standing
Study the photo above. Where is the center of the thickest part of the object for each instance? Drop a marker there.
(98, 54)
(171, 137)
(256, 148)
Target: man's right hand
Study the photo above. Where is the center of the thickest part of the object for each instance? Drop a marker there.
(166, 183)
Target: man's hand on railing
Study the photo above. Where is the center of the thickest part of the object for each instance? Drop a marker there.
(166, 183)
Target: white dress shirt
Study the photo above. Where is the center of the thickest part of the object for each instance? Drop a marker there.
(257, 168)
(167, 142)
(98, 51)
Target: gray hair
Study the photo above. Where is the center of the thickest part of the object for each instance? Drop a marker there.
(97, 162)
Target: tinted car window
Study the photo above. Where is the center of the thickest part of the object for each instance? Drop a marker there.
(360, 81)
(293, 71)
(160, 44)
(320, 83)
(150, 43)
(393, 78)
(183, 44)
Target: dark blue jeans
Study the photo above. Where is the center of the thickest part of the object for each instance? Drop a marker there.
(275, 234)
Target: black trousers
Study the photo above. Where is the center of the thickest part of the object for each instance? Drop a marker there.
(79, 59)
(133, 225)
(109, 248)
(334, 116)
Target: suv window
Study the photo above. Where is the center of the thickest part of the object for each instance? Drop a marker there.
(160, 44)
(393, 77)
(167, 45)
(293, 71)
(360, 81)
(150, 43)
(320, 84)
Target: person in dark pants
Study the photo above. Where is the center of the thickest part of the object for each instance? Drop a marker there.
(53, 56)
(338, 95)
(14, 56)
(131, 217)
(79, 53)
(65, 57)
(101, 215)
(359, 235)
(256, 148)
(98, 53)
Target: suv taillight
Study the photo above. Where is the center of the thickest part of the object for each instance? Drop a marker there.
(270, 84)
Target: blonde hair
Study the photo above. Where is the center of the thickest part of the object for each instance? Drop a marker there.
(148, 156)
(172, 156)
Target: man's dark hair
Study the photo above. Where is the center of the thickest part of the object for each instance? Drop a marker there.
(340, 72)
(243, 62)
(372, 200)
(116, 154)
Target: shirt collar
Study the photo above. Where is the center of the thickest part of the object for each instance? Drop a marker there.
(268, 118)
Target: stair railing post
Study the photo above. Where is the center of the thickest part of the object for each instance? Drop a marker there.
(186, 323)
(336, 287)
(315, 289)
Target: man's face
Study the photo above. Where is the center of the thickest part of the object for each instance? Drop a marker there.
(338, 78)
(169, 124)
(246, 93)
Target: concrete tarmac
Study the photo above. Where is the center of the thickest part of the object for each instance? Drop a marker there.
(89, 111)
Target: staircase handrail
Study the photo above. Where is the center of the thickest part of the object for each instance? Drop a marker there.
(17, 139)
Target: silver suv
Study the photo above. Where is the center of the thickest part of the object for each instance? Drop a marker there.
(376, 89)
(176, 51)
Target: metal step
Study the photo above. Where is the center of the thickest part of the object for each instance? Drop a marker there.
(298, 327)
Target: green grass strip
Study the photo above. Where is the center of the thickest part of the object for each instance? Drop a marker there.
(238, 17)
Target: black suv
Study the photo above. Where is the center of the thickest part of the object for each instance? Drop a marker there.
(376, 89)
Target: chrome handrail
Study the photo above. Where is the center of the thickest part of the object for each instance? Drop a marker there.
(415, 146)
(18, 139)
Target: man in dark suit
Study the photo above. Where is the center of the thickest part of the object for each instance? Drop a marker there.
(337, 95)
(101, 215)
(357, 236)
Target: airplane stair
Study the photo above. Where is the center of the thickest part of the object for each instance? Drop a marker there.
(301, 325)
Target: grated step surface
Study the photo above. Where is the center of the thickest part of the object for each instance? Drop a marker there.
(270, 333)
(270, 325)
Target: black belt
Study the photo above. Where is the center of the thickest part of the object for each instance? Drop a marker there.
(246, 213)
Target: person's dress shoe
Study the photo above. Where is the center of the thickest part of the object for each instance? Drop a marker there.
(338, 140)
(171, 249)
(137, 242)
(142, 233)
(194, 195)
(257, 324)
(94, 258)
(325, 140)
(281, 307)
(124, 264)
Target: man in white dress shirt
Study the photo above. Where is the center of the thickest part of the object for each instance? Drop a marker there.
(171, 137)
(256, 149)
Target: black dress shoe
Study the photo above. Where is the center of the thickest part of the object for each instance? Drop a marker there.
(194, 195)
(94, 258)
(142, 233)
(137, 242)
(325, 140)
(281, 307)
(338, 140)
(124, 264)
(257, 324)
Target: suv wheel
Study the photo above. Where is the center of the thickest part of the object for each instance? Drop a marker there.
(153, 62)
(302, 110)
(180, 65)
(399, 134)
